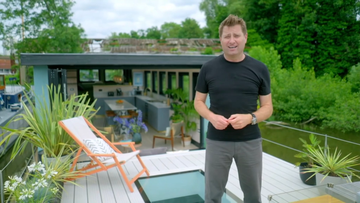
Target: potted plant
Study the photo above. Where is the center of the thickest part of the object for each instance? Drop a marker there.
(189, 117)
(134, 125)
(43, 182)
(43, 130)
(307, 162)
(331, 165)
(178, 98)
(184, 111)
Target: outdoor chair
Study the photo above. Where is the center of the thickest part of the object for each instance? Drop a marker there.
(175, 129)
(103, 153)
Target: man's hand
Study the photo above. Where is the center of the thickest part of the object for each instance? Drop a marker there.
(239, 121)
(219, 122)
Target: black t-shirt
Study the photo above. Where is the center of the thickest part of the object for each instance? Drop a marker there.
(233, 88)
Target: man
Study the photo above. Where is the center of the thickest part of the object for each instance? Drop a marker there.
(234, 82)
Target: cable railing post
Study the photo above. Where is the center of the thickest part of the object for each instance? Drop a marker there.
(326, 144)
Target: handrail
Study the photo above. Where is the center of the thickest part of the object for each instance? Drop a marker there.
(315, 133)
(297, 129)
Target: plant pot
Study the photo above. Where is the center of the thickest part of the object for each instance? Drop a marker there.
(136, 137)
(187, 140)
(305, 176)
(53, 160)
(330, 179)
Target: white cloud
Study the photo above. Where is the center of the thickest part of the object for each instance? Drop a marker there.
(100, 18)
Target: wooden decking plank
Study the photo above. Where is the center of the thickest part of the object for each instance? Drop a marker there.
(107, 194)
(93, 189)
(81, 189)
(68, 193)
(150, 166)
(167, 162)
(185, 161)
(117, 185)
(177, 162)
(159, 165)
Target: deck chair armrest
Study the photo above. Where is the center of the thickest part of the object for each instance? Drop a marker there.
(124, 143)
(95, 155)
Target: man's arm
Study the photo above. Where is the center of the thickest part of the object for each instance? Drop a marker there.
(239, 121)
(266, 108)
(219, 122)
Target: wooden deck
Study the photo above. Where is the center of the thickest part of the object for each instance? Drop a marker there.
(278, 177)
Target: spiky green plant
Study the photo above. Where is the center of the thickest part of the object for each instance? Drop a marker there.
(43, 129)
(332, 163)
(304, 155)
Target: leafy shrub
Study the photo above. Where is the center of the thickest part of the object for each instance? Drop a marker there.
(298, 95)
(208, 51)
(354, 78)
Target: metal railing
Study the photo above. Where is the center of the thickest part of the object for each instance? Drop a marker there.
(326, 138)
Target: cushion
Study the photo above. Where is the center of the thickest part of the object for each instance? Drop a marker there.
(98, 146)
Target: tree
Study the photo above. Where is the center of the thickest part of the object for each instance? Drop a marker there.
(47, 26)
(153, 33)
(263, 16)
(323, 34)
(134, 34)
(190, 28)
(170, 30)
(215, 12)
(296, 33)
(124, 35)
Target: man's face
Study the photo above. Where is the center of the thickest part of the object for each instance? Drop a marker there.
(233, 42)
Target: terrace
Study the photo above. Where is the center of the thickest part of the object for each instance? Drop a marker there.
(280, 183)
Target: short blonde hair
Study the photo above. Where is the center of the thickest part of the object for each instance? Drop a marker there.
(232, 20)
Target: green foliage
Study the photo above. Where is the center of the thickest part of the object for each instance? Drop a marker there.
(332, 163)
(190, 28)
(153, 33)
(354, 78)
(47, 27)
(254, 39)
(174, 49)
(305, 155)
(318, 36)
(43, 129)
(299, 96)
(208, 51)
(344, 115)
(170, 30)
(215, 13)
(263, 16)
(184, 110)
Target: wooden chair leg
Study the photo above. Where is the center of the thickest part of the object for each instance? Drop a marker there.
(165, 141)
(153, 142)
(172, 144)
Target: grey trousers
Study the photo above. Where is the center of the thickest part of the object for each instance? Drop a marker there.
(248, 159)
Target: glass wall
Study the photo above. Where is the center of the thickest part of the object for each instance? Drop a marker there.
(155, 86)
(90, 75)
(162, 82)
(147, 79)
(184, 83)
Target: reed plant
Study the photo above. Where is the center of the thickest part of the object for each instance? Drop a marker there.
(42, 116)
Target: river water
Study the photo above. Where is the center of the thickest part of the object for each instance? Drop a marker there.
(290, 137)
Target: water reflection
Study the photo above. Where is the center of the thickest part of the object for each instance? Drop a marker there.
(291, 137)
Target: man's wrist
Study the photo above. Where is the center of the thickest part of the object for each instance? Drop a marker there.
(253, 119)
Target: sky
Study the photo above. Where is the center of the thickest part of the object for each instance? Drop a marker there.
(100, 18)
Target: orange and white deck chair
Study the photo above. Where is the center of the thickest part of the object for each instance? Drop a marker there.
(103, 153)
